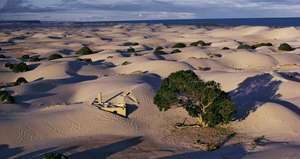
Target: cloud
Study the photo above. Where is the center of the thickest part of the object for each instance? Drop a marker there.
(149, 9)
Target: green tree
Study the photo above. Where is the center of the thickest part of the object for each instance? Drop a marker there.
(204, 101)
(84, 51)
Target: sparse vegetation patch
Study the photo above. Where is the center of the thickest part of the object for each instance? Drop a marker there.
(179, 45)
(286, 47)
(6, 98)
(84, 51)
(54, 57)
(201, 43)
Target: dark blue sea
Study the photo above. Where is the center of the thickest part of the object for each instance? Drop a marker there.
(272, 22)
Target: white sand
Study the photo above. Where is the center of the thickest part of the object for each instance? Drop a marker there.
(53, 109)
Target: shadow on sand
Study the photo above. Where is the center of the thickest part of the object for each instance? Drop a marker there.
(256, 91)
(98, 152)
(106, 151)
(227, 152)
(7, 152)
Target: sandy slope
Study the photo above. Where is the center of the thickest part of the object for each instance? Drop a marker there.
(53, 110)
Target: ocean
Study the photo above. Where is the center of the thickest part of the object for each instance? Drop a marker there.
(272, 22)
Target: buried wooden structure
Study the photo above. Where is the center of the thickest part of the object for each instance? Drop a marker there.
(116, 104)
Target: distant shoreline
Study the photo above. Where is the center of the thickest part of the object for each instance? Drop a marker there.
(271, 22)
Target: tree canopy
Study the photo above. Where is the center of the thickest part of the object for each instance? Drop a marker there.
(202, 100)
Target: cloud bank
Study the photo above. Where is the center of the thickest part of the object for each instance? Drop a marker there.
(103, 10)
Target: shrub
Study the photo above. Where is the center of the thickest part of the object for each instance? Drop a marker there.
(176, 51)
(84, 51)
(225, 48)
(21, 67)
(87, 60)
(130, 44)
(285, 47)
(245, 46)
(55, 156)
(159, 51)
(204, 68)
(9, 65)
(201, 43)
(261, 45)
(126, 63)
(25, 58)
(130, 50)
(179, 45)
(34, 58)
(2, 56)
(54, 57)
(6, 98)
(204, 101)
(20, 81)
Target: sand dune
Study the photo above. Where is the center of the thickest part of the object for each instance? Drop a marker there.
(54, 108)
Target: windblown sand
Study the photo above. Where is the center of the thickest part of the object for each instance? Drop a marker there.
(54, 112)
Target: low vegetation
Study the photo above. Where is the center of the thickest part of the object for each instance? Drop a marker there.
(245, 46)
(54, 57)
(286, 47)
(84, 51)
(126, 63)
(20, 81)
(20, 67)
(55, 156)
(175, 51)
(6, 98)
(179, 45)
(225, 48)
(131, 50)
(159, 51)
(252, 47)
(130, 44)
(201, 43)
(2, 56)
(87, 60)
(261, 45)
(28, 58)
(204, 68)
(204, 101)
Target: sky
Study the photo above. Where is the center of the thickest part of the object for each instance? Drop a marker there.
(114, 10)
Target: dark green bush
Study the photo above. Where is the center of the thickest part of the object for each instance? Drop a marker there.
(21, 67)
(245, 46)
(54, 57)
(25, 57)
(2, 56)
(20, 81)
(176, 51)
(261, 45)
(204, 101)
(9, 65)
(159, 51)
(126, 63)
(6, 98)
(179, 45)
(84, 51)
(286, 47)
(201, 43)
(130, 44)
(34, 58)
(55, 156)
(130, 50)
